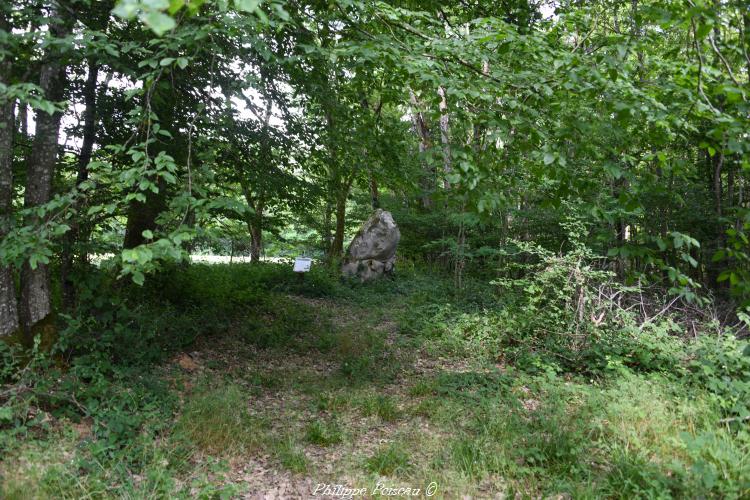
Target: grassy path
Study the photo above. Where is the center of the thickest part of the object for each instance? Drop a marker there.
(372, 389)
(356, 413)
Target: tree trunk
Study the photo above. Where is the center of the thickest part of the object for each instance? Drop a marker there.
(337, 247)
(36, 303)
(327, 238)
(255, 225)
(374, 195)
(714, 166)
(718, 164)
(142, 216)
(373, 183)
(445, 135)
(730, 186)
(256, 241)
(8, 303)
(87, 147)
(423, 132)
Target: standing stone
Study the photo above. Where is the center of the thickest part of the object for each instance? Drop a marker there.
(372, 252)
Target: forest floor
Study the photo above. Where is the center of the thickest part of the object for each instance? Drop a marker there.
(320, 428)
(369, 391)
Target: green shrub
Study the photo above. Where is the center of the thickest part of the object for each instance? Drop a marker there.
(722, 366)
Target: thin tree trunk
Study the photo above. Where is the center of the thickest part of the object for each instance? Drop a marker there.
(373, 183)
(327, 237)
(337, 247)
(636, 32)
(740, 203)
(374, 195)
(340, 185)
(36, 295)
(87, 147)
(445, 135)
(255, 225)
(718, 165)
(257, 203)
(423, 132)
(8, 303)
(256, 241)
(730, 186)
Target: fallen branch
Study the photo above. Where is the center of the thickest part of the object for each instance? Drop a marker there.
(734, 419)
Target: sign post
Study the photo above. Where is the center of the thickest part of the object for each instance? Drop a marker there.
(302, 265)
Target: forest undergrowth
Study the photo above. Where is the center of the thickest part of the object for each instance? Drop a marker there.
(242, 380)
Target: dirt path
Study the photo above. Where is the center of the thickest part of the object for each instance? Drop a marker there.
(296, 391)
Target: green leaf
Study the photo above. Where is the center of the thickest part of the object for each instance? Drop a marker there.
(6, 414)
(247, 5)
(129, 255)
(159, 22)
(166, 61)
(138, 278)
(156, 4)
(175, 6)
(126, 9)
(144, 256)
(703, 30)
(548, 158)
(182, 62)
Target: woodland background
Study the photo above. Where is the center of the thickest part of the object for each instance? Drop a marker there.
(570, 180)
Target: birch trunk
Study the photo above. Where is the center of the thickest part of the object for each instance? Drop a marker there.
(445, 135)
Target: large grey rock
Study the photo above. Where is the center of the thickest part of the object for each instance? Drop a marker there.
(372, 252)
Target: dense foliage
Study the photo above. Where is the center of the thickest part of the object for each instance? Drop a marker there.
(184, 121)
(568, 177)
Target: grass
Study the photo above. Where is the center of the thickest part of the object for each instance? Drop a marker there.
(388, 461)
(323, 433)
(315, 382)
(382, 406)
(290, 454)
(216, 420)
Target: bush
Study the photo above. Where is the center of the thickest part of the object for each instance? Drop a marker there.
(722, 366)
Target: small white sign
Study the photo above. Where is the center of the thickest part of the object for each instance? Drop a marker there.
(302, 264)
